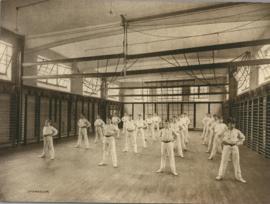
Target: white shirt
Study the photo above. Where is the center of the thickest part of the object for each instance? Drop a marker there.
(186, 121)
(110, 130)
(49, 131)
(156, 119)
(115, 120)
(99, 123)
(234, 136)
(140, 123)
(220, 128)
(205, 120)
(130, 125)
(83, 123)
(167, 134)
(125, 119)
(149, 121)
(175, 126)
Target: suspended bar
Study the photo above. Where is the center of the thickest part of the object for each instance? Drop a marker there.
(155, 71)
(182, 94)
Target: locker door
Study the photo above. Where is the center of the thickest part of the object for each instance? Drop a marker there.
(249, 126)
(30, 115)
(64, 117)
(267, 142)
(5, 101)
(255, 123)
(262, 125)
(44, 113)
(73, 122)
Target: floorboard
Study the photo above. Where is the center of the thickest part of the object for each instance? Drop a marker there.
(74, 176)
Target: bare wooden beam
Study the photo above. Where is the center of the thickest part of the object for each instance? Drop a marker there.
(78, 59)
(182, 69)
(187, 11)
(182, 94)
(202, 48)
(155, 54)
(169, 86)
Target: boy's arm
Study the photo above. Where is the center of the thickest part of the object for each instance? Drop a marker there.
(55, 131)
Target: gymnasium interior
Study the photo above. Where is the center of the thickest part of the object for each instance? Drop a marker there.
(61, 58)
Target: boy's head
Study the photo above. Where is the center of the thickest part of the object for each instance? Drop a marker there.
(109, 121)
(139, 116)
(48, 122)
(231, 123)
(98, 116)
(166, 124)
(82, 115)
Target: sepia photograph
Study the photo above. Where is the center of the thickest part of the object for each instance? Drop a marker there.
(135, 101)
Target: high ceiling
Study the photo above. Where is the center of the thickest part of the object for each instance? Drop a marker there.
(79, 28)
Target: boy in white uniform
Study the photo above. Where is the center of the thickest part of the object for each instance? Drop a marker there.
(220, 128)
(207, 131)
(178, 141)
(211, 133)
(131, 135)
(109, 132)
(140, 124)
(124, 120)
(232, 139)
(83, 125)
(99, 123)
(182, 127)
(150, 127)
(205, 122)
(156, 120)
(115, 121)
(187, 123)
(167, 138)
(48, 132)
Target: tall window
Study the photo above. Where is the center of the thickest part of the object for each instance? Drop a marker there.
(198, 90)
(53, 69)
(91, 87)
(5, 60)
(243, 77)
(113, 92)
(264, 70)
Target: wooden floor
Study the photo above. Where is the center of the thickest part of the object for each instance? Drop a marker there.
(74, 176)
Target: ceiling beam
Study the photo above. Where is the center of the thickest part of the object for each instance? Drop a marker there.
(182, 69)
(156, 54)
(77, 59)
(202, 49)
(182, 94)
(187, 11)
(169, 86)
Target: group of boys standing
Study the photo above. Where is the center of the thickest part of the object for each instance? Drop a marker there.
(174, 137)
(218, 137)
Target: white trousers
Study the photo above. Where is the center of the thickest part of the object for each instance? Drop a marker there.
(150, 131)
(109, 147)
(48, 146)
(156, 131)
(167, 150)
(131, 138)
(140, 131)
(227, 152)
(186, 134)
(203, 133)
(210, 140)
(83, 134)
(99, 134)
(118, 130)
(216, 146)
(206, 136)
(178, 145)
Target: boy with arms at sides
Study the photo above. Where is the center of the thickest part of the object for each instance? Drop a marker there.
(109, 132)
(167, 138)
(232, 139)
